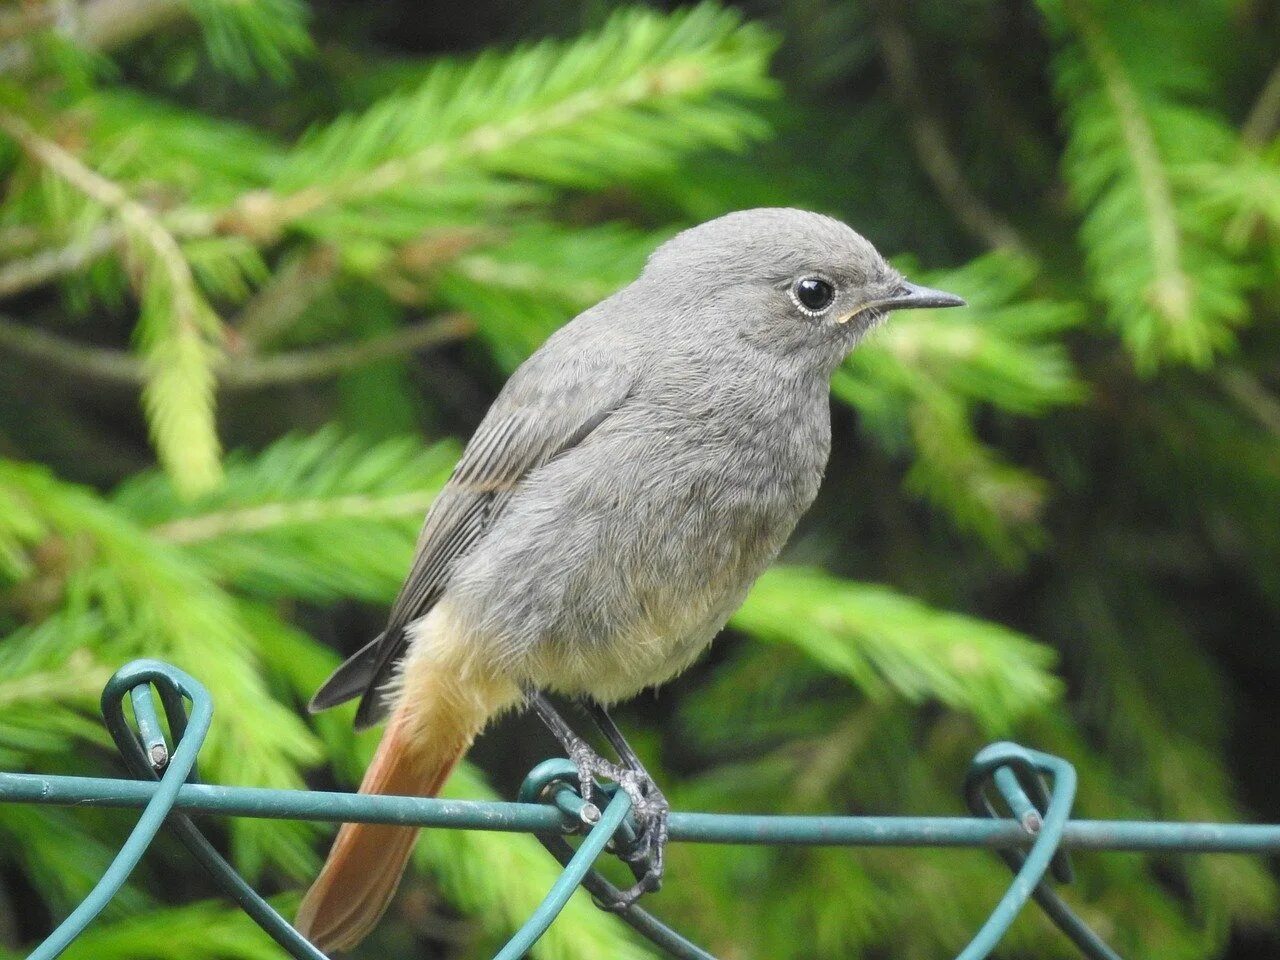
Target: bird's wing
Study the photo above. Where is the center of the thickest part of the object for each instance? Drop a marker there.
(550, 405)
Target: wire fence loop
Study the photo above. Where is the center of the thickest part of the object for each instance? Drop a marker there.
(1032, 832)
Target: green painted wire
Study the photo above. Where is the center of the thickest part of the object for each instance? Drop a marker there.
(140, 757)
(1027, 812)
(555, 780)
(1042, 852)
(1012, 769)
(639, 919)
(586, 854)
(153, 815)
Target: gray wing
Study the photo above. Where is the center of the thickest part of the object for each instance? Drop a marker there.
(550, 404)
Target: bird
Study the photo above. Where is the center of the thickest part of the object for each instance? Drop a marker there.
(629, 483)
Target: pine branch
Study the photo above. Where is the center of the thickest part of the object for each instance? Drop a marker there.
(1264, 116)
(101, 25)
(1153, 256)
(177, 330)
(321, 516)
(1257, 129)
(53, 262)
(238, 371)
(1245, 389)
(205, 930)
(249, 520)
(108, 24)
(887, 643)
(1170, 292)
(241, 37)
(929, 139)
(282, 299)
(154, 599)
(618, 92)
(320, 362)
(245, 38)
(915, 380)
(26, 19)
(18, 276)
(96, 363)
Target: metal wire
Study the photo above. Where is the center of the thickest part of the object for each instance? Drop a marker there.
(1029, 824)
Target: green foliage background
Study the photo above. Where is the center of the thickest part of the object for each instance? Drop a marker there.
(263, 264)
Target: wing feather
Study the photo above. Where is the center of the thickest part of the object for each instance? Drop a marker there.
(545, 409)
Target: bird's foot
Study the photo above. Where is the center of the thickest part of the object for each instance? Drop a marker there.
(646, 856)
(649, 809)
(591, 765)
(644, 851)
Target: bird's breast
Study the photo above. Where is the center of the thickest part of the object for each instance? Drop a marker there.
(616, 563)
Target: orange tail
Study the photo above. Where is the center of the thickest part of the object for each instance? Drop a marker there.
(428, 733)
(367, 860)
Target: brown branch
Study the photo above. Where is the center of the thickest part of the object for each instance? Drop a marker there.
(1245, 389)
(1264, 117)
(284, 297)
(1258, 127)
(930, 142)
(97, 25)
(96, 363)
(41, 267)
(53, 262)
(26, 19)
(246, 373)
(108, 24)
(234, 373)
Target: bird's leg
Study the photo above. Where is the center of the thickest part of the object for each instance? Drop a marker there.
(589, 763)
(650, 807)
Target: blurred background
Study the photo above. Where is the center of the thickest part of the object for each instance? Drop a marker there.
(264, 264)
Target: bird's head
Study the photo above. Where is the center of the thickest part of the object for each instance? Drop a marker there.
(789, 281)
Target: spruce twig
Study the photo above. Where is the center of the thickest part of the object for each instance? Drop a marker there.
(102, 25)
(929, 139)
(239, 372)
(179, 333)
(1258, 127)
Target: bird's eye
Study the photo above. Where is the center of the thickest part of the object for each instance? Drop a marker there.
(813, 294)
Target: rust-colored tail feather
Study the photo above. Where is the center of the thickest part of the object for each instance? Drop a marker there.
(367, 860)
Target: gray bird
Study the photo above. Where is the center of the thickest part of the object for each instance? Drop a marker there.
(630, 482)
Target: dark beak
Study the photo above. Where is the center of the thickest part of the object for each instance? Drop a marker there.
(912, 296)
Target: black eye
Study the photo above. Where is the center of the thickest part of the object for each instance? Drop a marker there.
(814, 293)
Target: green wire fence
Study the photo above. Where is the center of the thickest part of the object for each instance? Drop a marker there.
(1031, 830)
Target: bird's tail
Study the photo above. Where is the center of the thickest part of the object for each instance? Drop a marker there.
(428, 733)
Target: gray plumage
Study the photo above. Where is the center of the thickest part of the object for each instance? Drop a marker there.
(641, 469)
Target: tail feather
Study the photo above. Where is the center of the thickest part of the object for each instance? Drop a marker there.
(350, 680)
(367, 860)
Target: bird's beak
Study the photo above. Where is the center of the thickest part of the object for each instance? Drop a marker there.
(912, 296)
(908, 296)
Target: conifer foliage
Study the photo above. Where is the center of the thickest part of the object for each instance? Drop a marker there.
(260, 275)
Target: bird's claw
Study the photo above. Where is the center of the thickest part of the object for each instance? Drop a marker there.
(591, 765)
(647, 855)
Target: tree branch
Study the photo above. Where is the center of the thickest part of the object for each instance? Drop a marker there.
(283, 298)
(107, 24)
(1264, 117)
(135, 218)
(243, 372)
(930, 142)
(269, 516)
(1246, 390)
(1258, 127)
(246, 373)
(97, 25)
